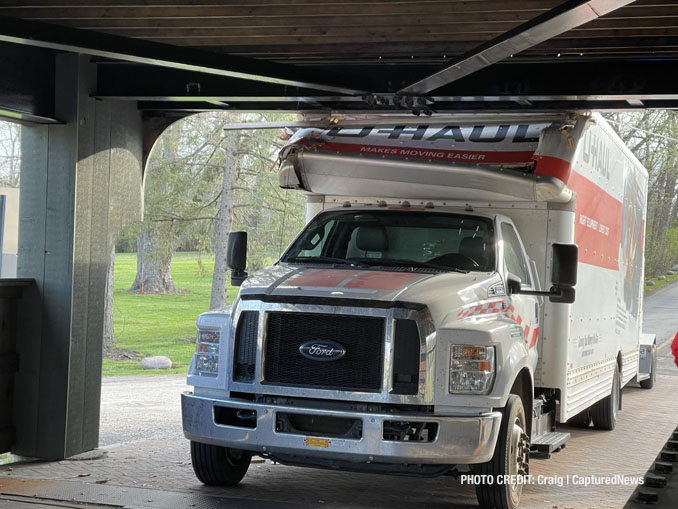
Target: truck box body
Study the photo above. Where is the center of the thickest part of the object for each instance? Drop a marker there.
(609, 226)
(412, 366)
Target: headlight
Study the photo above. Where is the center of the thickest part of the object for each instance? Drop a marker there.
(471, 369)
(207, 352)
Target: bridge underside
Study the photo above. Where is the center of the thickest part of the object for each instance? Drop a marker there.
(95, 83)
(424, 57)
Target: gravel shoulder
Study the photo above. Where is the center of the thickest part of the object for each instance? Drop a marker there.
(145, 407)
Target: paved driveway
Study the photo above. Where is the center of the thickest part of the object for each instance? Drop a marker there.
(147, 454)
(157, 458)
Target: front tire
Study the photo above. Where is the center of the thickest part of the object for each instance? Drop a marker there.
(604, 412)
(219, 466)
(511, 458)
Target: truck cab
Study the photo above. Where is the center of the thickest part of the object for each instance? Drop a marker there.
(384, 339)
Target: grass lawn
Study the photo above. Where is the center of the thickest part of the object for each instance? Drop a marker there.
(165, 324)
(159, 324)
(658, 283)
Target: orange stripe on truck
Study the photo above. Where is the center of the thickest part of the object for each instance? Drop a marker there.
(535, 335)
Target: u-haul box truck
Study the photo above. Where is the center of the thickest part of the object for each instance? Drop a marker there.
(458, 290)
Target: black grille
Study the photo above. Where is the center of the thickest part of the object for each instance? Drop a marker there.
(245, 353)
(406, 358)
(360, 368)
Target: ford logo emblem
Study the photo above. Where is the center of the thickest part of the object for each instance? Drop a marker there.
(322, 350)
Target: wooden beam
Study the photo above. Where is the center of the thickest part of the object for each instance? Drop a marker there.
(272, 10)
(74, 4)
(349, 27)
(322, 34)
(634, 13)
(423, 19)
(200, 37)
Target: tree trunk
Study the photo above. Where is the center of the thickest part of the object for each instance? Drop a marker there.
(109, 338)
(153, 271)
(222, 226)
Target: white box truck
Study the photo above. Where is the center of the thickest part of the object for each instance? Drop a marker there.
(425, 320)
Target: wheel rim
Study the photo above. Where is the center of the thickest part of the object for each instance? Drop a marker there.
(519, 457)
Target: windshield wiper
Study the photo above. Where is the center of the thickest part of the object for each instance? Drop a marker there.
(326, 259)
(395, 262)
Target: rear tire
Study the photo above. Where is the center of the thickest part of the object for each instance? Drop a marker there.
(219, 466)
(604, 412)
(649, 383)
(511, 457)
(581, 420)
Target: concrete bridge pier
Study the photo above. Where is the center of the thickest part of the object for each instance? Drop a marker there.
(81, 183)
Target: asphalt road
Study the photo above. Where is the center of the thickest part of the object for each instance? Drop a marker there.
(660, 317)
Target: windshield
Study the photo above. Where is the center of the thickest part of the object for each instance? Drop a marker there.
(386, 238)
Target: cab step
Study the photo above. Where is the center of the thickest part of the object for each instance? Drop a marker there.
(542, 446)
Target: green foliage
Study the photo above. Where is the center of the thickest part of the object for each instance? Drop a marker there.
(159, 324)
(10, 154)
(672, 240)
(272, 216)
(183, 183)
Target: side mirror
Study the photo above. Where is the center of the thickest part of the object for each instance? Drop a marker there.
(513, 283)
(562, 295)
(564, 265)
(236, 257)
(563, 276)
(564, 273)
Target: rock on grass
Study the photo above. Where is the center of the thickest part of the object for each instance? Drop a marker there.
(156, 362)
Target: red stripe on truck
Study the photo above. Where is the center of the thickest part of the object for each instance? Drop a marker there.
(321, 277)
(474, 156)
(597, 223)
(553, 167)
(342, 278)
(381, 280)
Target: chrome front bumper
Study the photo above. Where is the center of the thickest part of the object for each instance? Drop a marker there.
(460, 440)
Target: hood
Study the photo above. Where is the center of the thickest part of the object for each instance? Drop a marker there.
(448, 294)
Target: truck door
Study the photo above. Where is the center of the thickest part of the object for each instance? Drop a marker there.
(523, 309)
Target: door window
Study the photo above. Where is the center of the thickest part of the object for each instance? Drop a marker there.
(513, 254)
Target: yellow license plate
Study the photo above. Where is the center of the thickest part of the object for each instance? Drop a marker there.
(317, 442)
